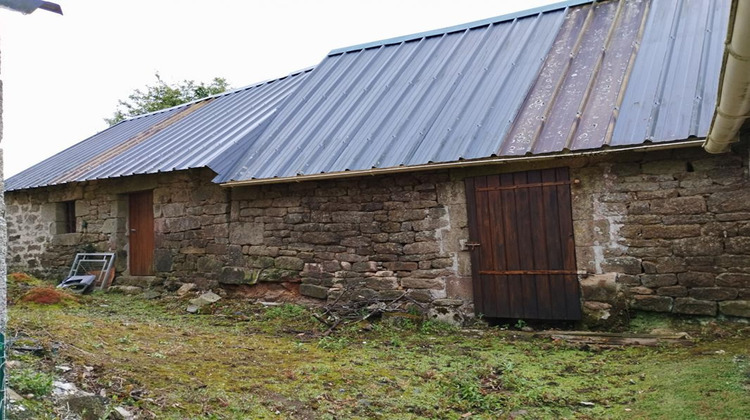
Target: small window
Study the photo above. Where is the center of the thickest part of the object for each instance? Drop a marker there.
(68, 219)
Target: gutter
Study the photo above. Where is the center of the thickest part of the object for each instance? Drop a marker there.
(733, 106)
(460, 164)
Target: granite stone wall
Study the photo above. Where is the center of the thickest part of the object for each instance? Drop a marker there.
(669, 229)
(190, 215)
(367, 237)
(665, 231)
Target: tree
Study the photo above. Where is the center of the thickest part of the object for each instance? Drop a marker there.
(162, 95)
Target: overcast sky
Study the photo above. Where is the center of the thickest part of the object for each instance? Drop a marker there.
(63, 74)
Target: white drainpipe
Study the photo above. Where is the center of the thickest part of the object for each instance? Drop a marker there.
(733, 107)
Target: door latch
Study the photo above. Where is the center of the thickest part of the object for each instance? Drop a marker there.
(472, 245)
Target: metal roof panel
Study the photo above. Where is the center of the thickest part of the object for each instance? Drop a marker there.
(188, 136)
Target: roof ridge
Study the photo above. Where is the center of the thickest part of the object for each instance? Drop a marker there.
(464, 26)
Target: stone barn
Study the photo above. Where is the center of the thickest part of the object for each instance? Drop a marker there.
(551, 164)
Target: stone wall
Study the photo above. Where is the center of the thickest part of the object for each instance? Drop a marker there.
(672, 228)
(664, 231)
(368, 237)
(190, 215)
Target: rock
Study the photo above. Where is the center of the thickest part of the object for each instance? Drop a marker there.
(238, 275)
(679, 205)
(289, 263)
(596, 311)
(652, 303)
(150, 295)
(658, 280)
(313, 291)
(735, 308)
(674, 291)
(624, 265)
(277, 275)
(89, 407)
(702, 245)
(690, 306)
(640, 290)
(13, 395)
(126, 290)
(421, 248)
(453, 303)
(599, 287)
(63, 388)
(120, 413)
(205, 299)
(449, 315)
(417, 283)
(695, 279)
(382, 283)
(713, 293)
(185, 288)
(193, 309)
(739, 280)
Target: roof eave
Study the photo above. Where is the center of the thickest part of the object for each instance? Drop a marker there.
(460, 164)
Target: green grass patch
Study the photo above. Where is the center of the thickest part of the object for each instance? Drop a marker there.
(239, 360)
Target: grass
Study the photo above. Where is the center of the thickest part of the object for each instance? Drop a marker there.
(246, 361)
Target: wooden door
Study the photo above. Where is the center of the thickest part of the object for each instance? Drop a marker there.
(523, 253)
(141, 224)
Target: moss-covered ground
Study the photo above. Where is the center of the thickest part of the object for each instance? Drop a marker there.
(237, 360)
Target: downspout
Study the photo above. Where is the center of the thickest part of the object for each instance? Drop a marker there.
(733, 106)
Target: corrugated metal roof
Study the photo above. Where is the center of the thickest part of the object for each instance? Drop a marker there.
(578, 75)
(584, 77)
(188, 136)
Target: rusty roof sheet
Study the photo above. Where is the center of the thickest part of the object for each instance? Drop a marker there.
(567, 77)
(187, 136)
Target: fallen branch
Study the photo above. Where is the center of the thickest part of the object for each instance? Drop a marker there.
(337, 313)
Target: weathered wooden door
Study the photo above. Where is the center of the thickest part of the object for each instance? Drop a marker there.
(523, 253)
(141, 214)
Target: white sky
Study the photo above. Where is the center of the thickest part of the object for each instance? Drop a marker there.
(63, 74)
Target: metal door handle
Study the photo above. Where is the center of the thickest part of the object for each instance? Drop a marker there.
(472, 245)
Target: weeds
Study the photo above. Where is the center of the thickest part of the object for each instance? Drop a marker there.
(437, 327)
(30, 381)
(278, 359)
(333, 343)
(286, 311)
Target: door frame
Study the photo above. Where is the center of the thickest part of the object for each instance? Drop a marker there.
(141, 246)
(522, 245)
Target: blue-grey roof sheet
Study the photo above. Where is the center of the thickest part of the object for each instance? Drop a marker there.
(188, 136)
(567, 77)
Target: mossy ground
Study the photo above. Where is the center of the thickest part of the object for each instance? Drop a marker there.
(237, 361)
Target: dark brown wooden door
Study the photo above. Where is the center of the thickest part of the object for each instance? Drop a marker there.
(141, 212)
(524, 265)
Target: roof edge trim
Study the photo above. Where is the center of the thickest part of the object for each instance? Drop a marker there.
(484, 22)
(462, 164)
(227, 92)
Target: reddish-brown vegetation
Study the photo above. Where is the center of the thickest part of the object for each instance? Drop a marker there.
(48, 296)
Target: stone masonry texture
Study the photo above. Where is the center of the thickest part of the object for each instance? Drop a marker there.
(665, 231)
(673, 225)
